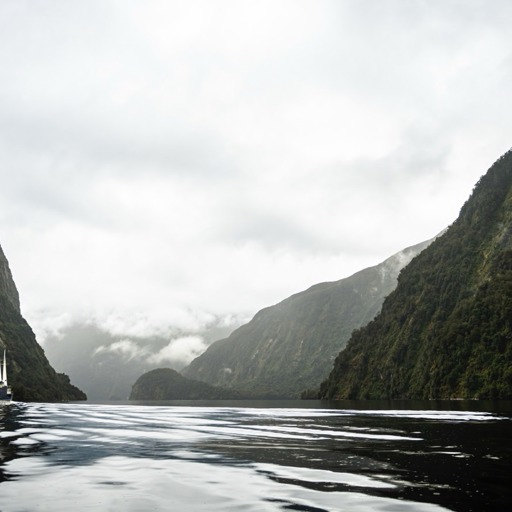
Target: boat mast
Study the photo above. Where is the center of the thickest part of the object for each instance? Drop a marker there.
(4, 372)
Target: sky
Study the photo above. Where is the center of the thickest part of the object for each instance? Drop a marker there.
(170, 165)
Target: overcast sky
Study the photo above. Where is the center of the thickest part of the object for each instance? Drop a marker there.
(164, 163)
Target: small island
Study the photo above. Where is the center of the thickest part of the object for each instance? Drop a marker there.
(168, 384)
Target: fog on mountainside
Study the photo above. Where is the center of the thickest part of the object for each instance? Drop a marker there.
(291, 346)
(106, 365)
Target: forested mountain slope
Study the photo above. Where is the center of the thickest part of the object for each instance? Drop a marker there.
(291, 346)
(29, 372)
(446, 331)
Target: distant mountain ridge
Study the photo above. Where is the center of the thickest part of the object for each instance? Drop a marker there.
(291, 346)
(29, 372)
(446, 331)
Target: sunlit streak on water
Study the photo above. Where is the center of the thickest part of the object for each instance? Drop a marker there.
(137, 458)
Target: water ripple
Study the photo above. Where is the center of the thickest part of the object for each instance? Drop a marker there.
(134, 457)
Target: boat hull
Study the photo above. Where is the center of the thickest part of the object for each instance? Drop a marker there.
(5, 394)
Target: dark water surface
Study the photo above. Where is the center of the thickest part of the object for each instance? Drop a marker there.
(256, 456)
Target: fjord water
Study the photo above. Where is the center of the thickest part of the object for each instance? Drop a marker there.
(255, 456)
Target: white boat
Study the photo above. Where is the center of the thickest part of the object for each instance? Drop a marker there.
(5, 389)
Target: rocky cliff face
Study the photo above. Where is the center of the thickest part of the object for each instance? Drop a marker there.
(446, 331)
(29, 372)
(7, 286)
(291, 346)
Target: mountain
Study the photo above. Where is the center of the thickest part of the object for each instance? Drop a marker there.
(29, 372)
(168, 384)
(446, 331)
(291, 346)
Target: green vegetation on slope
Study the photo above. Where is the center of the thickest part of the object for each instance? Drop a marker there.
(446, 331)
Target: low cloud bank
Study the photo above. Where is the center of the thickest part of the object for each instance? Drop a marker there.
(180, 351)
(106, 365)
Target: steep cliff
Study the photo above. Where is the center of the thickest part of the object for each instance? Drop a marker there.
(446, 331)
(29, 372)
(291, 346)
(7, 287)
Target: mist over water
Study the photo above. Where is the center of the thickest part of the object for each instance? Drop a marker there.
(255, 456)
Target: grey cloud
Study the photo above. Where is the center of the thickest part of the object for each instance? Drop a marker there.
(159, 158)
(272, 230)
(179, 352)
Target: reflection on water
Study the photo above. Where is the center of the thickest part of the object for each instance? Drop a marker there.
(256, 456)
